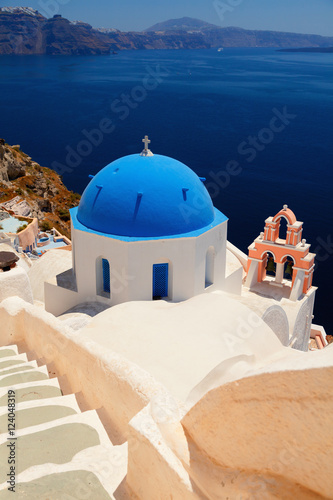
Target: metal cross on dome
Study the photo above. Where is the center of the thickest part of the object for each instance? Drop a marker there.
(146, 151)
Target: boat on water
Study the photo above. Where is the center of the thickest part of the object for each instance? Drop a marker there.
(220, 49)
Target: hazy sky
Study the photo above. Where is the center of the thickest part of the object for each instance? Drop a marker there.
(301, 16)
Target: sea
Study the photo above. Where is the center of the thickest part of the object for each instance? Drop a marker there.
(255, 122)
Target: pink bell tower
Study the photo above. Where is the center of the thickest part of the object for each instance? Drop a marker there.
(280, 261)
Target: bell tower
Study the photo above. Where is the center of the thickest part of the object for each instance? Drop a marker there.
(279, 261)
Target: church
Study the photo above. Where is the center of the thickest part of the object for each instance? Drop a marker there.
(146, 229)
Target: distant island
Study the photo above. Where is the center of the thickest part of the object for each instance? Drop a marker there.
(24, 31)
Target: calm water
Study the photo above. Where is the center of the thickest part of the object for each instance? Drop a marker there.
(201, 109)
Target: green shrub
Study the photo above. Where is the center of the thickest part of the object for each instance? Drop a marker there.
(75, 197)
(45, 226)
(21, 228)
(64, 214)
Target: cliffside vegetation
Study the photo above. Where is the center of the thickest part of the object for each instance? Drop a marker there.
(42, 189)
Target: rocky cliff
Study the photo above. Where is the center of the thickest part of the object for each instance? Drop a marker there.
(60, 36)
(20, 32)
(237, 37)
(216, 36)
(26, 31)
(40, 187)
(152, 40)
(182, 24)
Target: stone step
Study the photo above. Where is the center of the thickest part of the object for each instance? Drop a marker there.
(51, 434)
(9, 361)
(94, 473)
(69, 400)
(35, 413)
(32, 391)
(9, 350)
(55, 442)
(88, 418)
(31, 365)
(23, 377)
(77, 484)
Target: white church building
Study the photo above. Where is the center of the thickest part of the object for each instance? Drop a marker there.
(145, 229)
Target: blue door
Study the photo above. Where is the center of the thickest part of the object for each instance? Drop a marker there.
(106, 276)
(160, 280)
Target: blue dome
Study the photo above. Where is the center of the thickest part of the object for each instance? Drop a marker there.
(146, 196)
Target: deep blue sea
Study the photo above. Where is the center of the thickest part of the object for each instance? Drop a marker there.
(258, 113)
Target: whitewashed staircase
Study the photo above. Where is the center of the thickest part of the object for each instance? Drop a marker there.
(61, 452)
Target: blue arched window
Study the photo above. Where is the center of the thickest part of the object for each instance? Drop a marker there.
(103, 277)
(106, 276)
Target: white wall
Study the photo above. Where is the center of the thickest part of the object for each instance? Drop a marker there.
(59, 300)
(51, 264)
(302, 327)
(154, 470)
(131, 268)
(241, 256)
(233, 282)
(88, 248)
(15, 283)
(276, 318)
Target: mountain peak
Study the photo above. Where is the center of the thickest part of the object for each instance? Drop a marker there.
(182, 24)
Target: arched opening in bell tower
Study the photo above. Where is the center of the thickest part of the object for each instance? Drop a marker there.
(270, 264)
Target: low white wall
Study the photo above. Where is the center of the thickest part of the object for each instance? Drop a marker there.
(15, 283)
(154, 471)
(52, 263)
(241, 256)
(233, 282)
(276, 318)
(59, 300)
(319, 330)
(302, 325)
